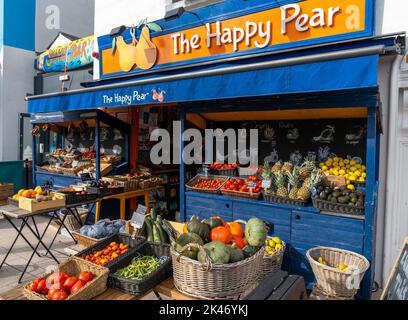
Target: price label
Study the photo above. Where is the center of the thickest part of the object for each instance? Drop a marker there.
(252, 185)
(75, 164)
(266, 184)
(138, 217)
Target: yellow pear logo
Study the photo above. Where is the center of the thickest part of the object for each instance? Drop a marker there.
(140, 54)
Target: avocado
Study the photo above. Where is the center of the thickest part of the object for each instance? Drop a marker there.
(343, 200)
(336, 194)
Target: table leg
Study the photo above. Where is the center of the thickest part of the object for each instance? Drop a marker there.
(19, 233)
(62, 221)
(146, 196)
(158, 296)
(97, 211)
(40, 241)
(122, 208)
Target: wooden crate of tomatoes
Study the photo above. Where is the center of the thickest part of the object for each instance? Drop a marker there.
(207, 184)
(244, 188)
(225, 169)
(75, 279)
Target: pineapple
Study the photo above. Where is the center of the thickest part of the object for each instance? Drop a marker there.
(267, 172)
(294, 181)
(277, 167)
(271, 191)
(281, 185)
(308, 166)
(287, 168)
(305, 192)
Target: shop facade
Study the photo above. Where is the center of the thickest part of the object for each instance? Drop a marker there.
(299, 63)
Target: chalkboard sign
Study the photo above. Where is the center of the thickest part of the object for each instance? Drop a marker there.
(295, 139)
(397, 285)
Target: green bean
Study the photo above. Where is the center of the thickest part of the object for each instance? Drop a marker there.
(140, 268)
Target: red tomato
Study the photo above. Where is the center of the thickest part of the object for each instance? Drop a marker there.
(68, 284)
(58, 277)
(33, 286)
(240, 181)
(76, 287)
(59, 295)
(54, 289)
(42, 287)
(257, 190)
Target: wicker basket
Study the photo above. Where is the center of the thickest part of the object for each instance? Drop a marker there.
(133, 242)
(335, 282)
(73, 267)
(141, 287)
(215, 281)
(337, 207)
(190, 184)
(71, 222)
(282, 200)
(272, 262)
(247, 195)
(85, 240)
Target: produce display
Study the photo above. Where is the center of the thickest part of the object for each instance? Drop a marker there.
(140, 268)
(59, 285)
(37, 194)
(241, 185)
(343, 195)
(291, 181)
(101, 184)
(341, 266)
(156, 228)
(349, 169)
(212, 184)
(219, 166)
(223, 242)
(107, 254)
(103, 228)
(273, 245)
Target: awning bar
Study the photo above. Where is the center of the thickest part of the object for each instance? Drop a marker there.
(321, 57)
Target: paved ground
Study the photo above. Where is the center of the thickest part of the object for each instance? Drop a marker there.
(16, 261)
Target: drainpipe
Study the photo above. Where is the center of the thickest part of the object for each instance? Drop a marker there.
(390, 219)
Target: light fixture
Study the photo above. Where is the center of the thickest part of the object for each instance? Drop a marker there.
(175, 13)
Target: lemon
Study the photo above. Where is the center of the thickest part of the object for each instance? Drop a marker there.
(336, 159)
(278, 247)
(363, 168)
(335, 164)
(358, 166)
(361, 179)
(352, 162)
(348, 181)
(342, 172)
(277, 240)
(266, 242)
(346, 161)
(351, 187)
(364, 175)
(271, 243)
(324, 168)
(348, 166)
(342, 266)
(335, 172)
(352, 177)
(357, 173)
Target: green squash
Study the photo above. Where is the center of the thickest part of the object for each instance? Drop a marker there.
(249, 251)
(218, 252)
(236, 255)
(213, 222)
(199, 228)
(255, 232)
(184, 240)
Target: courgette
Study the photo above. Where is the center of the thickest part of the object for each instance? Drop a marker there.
(149, 229)
(163, 235)
(156, 234)
(153, 214)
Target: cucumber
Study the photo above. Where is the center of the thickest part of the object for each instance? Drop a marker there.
(163, 235)
(153, 214)
(149, 229)
(156, 234)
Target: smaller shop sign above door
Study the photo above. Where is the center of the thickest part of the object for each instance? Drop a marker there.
(73, 55)
(297, 24)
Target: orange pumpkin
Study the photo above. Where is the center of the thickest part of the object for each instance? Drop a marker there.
(239, 242)
(236, 229)
(222, 234)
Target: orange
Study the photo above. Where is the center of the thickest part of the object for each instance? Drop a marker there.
(26, 194)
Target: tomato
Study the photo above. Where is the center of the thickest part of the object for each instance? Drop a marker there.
(58, 277)
(240, 181)
(42, 287)
(69, 283)
(86, 276)
(59, 295)
(53, 289)
(257, 190)
(76, 287)
(33, 286)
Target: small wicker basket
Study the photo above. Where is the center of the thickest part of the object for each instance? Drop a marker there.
(272, 262)
(335, 282)
(73, 267)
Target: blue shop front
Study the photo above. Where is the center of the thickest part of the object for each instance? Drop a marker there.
(302, 73)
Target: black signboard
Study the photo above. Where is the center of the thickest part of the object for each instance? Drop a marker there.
(397, 285)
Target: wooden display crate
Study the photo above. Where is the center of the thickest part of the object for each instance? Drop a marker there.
(31, 205)
(6, 190)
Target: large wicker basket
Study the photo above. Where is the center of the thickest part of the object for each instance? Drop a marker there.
(272, 262)
(73, 267)
(215, 281)
(335, 282)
